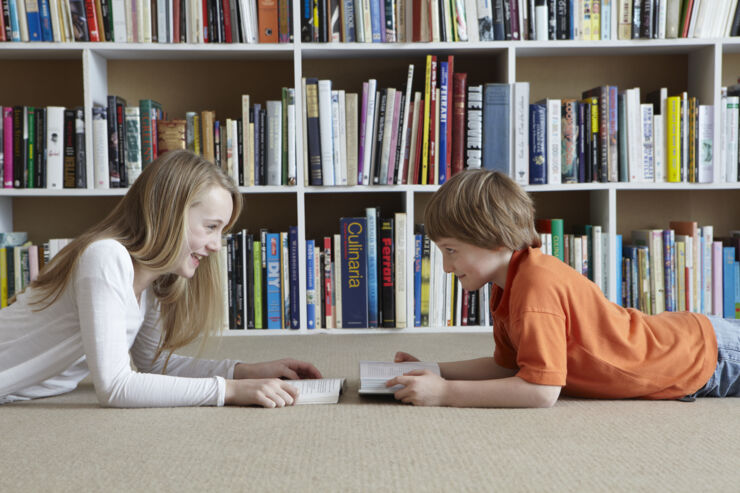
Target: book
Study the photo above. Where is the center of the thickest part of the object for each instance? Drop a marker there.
(318, 390)
(170, 136)
(374, 374)
(354, 272)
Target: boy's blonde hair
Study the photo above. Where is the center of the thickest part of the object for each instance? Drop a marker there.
(483, 208)
(151, 222)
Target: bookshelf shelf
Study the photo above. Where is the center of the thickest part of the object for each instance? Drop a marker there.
(213, 76)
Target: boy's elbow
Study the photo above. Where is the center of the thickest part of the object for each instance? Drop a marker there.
(547, 396)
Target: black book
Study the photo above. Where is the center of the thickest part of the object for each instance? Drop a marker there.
(379, 132)
(323, 22)
(473, 300)
(80, 154)
(646, 20)
(263, 147)
(562, 26)
(254, 117)
(387, 278)
(40, 151)
(238, 283)
(239, 159)
(114, 164)
(249, 260)
(230, 279)
(121, 128)
(69, 148)
(499, 31)
(734, 30)
(306, 20)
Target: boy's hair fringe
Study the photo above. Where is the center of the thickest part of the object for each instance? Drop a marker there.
(483, 208)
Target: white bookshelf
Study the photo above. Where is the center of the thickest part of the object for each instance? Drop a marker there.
(199, 77)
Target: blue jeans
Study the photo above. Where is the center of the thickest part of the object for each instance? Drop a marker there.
(725, 382)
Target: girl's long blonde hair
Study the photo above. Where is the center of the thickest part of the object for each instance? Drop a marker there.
(151, 222)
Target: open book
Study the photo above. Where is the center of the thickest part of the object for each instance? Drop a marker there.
(374, 374)
(318, 391)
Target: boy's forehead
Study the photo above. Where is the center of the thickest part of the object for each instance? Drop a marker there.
(449, 242)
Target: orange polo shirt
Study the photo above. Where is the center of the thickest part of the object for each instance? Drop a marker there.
(557, 328)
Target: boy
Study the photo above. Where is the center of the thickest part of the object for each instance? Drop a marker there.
(554, 330)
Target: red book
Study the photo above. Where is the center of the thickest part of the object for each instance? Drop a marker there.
(267, 20)
(459, 90)
(327, 284)
(206, 34)
(176, 22)
(686, 20)
(227, 20)
(92, 20)
(2, 25)
(464, 309)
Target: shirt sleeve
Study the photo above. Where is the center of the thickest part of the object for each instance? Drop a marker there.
(542, 347)
(146, 344)
(103, 285)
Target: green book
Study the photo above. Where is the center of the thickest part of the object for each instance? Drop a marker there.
(31, 152)
(258, 285)
(556, 228)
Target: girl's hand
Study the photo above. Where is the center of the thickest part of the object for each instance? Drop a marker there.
(269, 393)
(420, 388)
(401, 357)
(282, 368)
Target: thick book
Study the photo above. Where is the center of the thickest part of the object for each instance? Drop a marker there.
(387, 270)
(354, 272)
(267, 18)
(497, 127)
(374, 374)
(318, 391)
(170, 135)
(273, 280)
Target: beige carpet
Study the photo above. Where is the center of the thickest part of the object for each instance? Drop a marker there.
(68, 443)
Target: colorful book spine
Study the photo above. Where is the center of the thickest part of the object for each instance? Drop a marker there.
(418, 242)
(387, 269)
(273, 281)
(354, 272)
(443, 122)
(537, 144)
(310, 286)
(371, 215)
(673, 139)
(295, 316)
(728, 282)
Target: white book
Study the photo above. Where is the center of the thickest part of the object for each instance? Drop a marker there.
(326, 132)
(274, 139)
(54, 13)
(400, 274)
(634, 135)
(733, 112)
(318, 391)
(247, 143)
(521, 132)
(694, 32)
(285, 278)
(359, 25)
(434, 9)
(578, 254)
(659, 148)
(647, 155)
(335, 140)
(721, 148)
(387, 123)
(471, 16)
(662, 7)
(20, 6)
(367, 21)
(485, 20)
(684, 135)
(162, 36)
(707, 232)
(728, 24)
(292, 173)
(55, 147)
(554, 137)
(119, 20)
(100, 148)
(374, 374)
(372, 85)
(233, 150)
(351, 136)
(705, 143)
(673, 14)
(304, 131)
(146, 22)
(342, 120)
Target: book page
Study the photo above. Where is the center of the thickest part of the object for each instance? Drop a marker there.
(374, 374)
(318, 391)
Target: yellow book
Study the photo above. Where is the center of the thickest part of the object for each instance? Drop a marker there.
(425, 271)
(3, 278)
(431, 65)
(595, 20)
(673, 139)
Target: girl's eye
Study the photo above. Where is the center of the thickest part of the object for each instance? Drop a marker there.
(212, 227)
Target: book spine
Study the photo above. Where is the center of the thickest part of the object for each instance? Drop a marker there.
(387, 257)
(474, 134)
(418, 241)
(371, 215)
(521, 128)
(400, 269)
(537, 144)
(459, 90)
(80, 152)
(273, 281)
(8, 147)
(497, 128)
(354, 272)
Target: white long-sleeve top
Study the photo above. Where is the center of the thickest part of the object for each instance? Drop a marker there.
(97, 327)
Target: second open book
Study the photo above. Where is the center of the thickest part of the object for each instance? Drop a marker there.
(374, 374)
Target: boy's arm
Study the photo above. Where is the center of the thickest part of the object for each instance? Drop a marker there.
(474, 369)
(424, 388)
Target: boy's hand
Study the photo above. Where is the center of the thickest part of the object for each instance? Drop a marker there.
(420, 388)
(282, 368)
(401, 357)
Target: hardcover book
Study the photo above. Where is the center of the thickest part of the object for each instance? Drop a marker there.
(354, 272)
(273, 280)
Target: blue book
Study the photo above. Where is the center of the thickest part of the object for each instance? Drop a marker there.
(310, 285)
(728, 281)
(274, 297)
(418, 242)
(15, 28)
(618, 251)
(375, 26)
(295, 313)
(371, 214)
(354, 272)
(46, 31)
(669, 277)
(443, 106)
(497, 127)
(537, 144)
(737, 289)
(34, 20)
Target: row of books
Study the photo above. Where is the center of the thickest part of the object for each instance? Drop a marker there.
(20, 261)
(260, 279)
(682, 268)
(148, 21)
(586, 248)
(389, 21)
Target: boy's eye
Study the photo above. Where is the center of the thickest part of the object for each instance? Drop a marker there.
(450, 250)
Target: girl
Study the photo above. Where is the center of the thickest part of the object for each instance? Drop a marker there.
(136, 287)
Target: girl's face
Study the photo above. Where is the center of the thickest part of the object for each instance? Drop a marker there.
(206, 221)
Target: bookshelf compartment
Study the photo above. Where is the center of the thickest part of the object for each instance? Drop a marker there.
(323, 211)
(274, 211)
(656, 209)
(42, 82)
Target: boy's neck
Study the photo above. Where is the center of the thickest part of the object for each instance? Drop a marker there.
(503, 259)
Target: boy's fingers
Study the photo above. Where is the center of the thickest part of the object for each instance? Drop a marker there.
(416, 373)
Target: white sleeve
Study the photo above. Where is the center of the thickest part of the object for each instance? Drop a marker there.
(103, 285)
(146, 344)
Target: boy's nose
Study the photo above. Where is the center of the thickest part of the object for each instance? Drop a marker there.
(446, 266)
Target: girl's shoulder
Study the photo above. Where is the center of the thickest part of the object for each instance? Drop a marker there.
(107, 254)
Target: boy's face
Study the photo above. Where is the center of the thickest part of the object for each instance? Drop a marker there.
(472, 265)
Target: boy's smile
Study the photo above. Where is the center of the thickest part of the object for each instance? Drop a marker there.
(472, 265)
